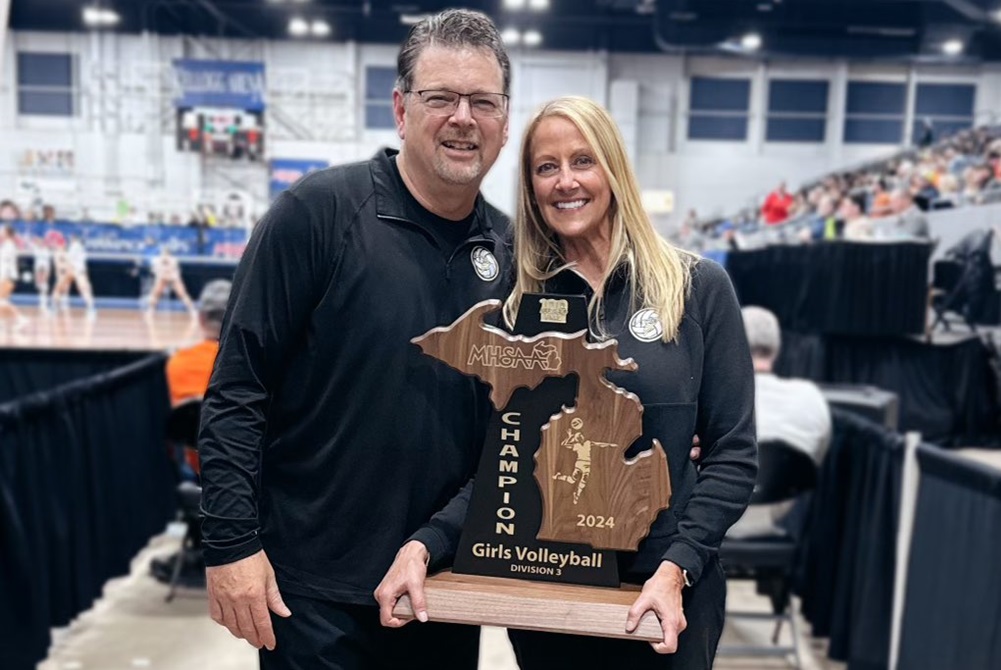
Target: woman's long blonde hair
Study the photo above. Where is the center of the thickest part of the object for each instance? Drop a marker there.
(658, 272)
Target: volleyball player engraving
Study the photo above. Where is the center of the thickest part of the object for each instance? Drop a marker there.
(590, 493)
(581, 446)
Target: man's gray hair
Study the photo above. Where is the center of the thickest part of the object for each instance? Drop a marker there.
(763, 332)
(212, 304)
(452, 28)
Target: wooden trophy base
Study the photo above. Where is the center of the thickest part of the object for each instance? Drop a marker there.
(543, 606)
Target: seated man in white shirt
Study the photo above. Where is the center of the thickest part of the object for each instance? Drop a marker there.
(790, 410)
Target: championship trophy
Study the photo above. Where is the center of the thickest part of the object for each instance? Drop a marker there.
(554, 494)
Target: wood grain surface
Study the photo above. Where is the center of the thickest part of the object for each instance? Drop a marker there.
(515, 603)
(591, 493)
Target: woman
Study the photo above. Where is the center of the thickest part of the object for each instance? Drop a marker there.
(71, 268)
(8, 277)
(167, 274)
(581, 229)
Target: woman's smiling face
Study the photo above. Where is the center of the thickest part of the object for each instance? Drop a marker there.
(569, 184)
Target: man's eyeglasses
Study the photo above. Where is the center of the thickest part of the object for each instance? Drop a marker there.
(444, 103)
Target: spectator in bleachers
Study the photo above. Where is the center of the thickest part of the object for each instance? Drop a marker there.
(880, 202)
(8, 277)
(777, 205)
(48, 215)
(824, 223)
(908, 221)
(923, 190)
(9, 211)
(975, 179)
(791, 410)
(188, 370)
(852, 211)
(688, 236)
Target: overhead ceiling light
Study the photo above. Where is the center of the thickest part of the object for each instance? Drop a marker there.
(319, 28)
(751, 41)
(952, 47)
(882, 31)
(413, 19)
(511, 36)
(532, 38)
(538, 5)
(98, 17)
(996, 15)
(514, 4)
(297, 26)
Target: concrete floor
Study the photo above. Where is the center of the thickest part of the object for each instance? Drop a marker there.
(132, 627)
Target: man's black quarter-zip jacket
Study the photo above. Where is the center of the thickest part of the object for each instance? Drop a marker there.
(327, 438)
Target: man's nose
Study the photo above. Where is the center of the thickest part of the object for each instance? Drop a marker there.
(463, 113)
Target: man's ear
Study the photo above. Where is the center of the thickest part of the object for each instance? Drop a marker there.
(399, 114)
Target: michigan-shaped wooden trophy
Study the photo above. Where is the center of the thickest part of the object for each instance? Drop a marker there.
(554, 496)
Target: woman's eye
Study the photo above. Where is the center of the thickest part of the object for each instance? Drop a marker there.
(584, 160)
(545, 168)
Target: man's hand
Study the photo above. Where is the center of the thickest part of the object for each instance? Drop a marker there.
(405, 576)
(240, 595)
(696, 453)
(662, 594)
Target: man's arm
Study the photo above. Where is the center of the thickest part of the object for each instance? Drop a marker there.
(275, 290)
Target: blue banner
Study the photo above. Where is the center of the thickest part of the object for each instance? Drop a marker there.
(217, 83)
(110, 238)
(287, 171)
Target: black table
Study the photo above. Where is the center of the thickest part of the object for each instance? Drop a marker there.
(845, 288)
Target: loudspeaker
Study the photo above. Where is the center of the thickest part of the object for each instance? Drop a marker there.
(873, 403)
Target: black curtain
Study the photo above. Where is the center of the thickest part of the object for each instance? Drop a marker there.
(947, 391)
(846, 567)
(837, 287)
(85, 481)
(952, 608)
(25, 371)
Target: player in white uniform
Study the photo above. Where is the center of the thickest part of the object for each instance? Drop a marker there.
(42, 271)
(167, 273)
(8, 277)
(71, 268)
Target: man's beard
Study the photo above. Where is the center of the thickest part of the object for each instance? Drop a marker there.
(459, 174)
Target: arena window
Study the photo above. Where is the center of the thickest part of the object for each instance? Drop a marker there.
(379, 83)
(874, 112)
(949, 107)
(718, 109)
(797, 110)
(45, 84)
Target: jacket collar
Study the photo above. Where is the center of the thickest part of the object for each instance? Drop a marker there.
(390, 204)
(570, 282)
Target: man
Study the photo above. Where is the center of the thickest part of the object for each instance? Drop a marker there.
(909, 221)
(328, 440)
(791, 410)
(188, 370)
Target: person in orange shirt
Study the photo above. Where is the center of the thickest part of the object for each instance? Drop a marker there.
(188, 370)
